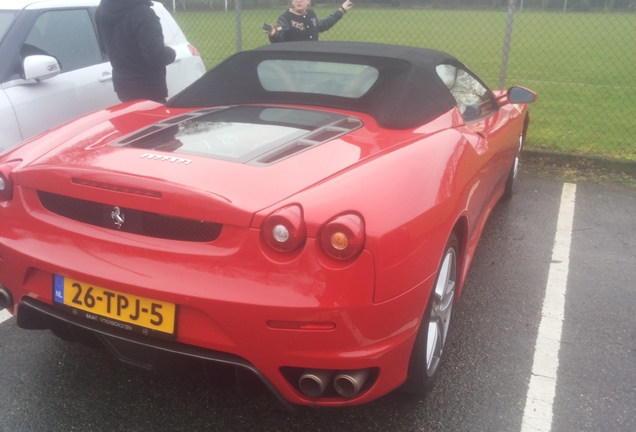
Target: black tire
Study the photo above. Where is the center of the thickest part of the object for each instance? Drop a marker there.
(428, 349)
(513, 175)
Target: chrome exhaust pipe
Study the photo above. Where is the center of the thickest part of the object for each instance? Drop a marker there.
(6, 301)
(348, 384)
(313, 382)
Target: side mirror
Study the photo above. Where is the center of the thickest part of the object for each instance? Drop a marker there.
(518, 94)
(470, 112)
(40, 67)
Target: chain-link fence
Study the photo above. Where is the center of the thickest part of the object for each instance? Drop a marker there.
(578, 55)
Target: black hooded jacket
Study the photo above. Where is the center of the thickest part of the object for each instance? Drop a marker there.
(132, 36)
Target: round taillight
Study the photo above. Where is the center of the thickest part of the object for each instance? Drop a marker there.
(284, 230)
(343, 237)
(6, 185)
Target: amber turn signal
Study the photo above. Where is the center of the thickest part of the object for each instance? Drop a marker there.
(343, 237)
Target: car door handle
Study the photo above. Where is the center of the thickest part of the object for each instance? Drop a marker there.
(106, 76)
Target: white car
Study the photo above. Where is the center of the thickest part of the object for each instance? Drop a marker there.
(54, 70)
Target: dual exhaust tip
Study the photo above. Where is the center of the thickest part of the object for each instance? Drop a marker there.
(348, 384)
(6, 300)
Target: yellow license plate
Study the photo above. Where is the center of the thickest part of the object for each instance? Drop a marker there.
(104, 304)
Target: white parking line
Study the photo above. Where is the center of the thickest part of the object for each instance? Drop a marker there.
(4, 315)
(537, 415)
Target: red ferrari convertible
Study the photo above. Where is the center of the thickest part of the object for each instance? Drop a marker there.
(305, 213)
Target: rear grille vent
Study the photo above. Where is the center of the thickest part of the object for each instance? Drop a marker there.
(134, 221)
(312, 139)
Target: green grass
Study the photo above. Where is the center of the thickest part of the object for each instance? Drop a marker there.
(581, 65)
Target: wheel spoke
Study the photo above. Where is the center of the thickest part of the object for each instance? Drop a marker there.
(445, 287)
(446, 302)
(515, 168)
(442, 279)
(434, 345)
(441, 309)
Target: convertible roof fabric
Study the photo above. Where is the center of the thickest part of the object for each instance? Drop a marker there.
(407, 93)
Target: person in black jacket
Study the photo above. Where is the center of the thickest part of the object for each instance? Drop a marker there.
(133, 39)
(300, 23)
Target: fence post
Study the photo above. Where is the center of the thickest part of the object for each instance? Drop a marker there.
(239, 42)
(506, 47)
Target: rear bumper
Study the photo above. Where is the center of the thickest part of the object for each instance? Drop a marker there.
(35, 315)
(387, 359)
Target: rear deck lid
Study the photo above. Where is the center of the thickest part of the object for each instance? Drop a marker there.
(218, 164)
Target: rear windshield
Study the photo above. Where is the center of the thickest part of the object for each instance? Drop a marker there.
(243, 134)
(334, 79)
(6, 18)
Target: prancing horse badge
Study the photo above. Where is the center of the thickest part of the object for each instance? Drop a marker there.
(118, 217)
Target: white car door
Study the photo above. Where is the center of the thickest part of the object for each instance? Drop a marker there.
(8, 124)
(84, 83)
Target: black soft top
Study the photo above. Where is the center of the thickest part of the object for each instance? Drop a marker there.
(408, 92)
